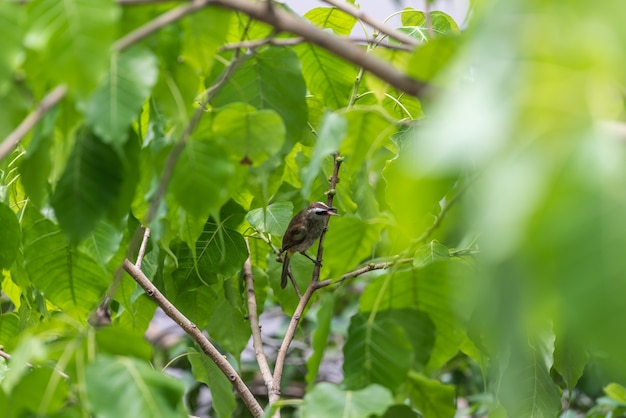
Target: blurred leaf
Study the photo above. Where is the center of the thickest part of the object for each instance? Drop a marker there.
(326, 399)
(204, 32)
(70, 279)
(11, 32)
(74, 39)
(89, 186)
(203, 169)
(42, 391)
(570, 359)
(117, 102)
(102, 243)
(124, 342)
(119, 386)
(229, 326)
(319, 338)
(348, 242)
(420, 331)
(428, 61)
(417, 24)
(526, 388)
(430, 253)
(9, 236)
(400, 411)
(376, 351)
(270, 79)
(329, 78)
(249, 136)
(207, 372)
(331, 132)
(332, 18)
(431, 397)
(441, 290)
(272, 219)
(616, 392)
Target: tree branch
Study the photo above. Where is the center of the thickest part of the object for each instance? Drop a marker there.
(49, 101)
(158, 22)
(193, 331)
(306, 297)
(257, 341)
(380, 26)
(343, 48)
(363, 270)
(142, 247)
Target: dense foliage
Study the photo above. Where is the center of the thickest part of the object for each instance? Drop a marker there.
(477, 267)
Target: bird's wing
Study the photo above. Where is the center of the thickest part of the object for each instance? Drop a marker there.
(295, 237)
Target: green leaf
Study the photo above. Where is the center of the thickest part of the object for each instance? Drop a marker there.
(113, 107)
(121, 341)
(416, 23)
(442, 290)
(119, 386)
(349, 241)
(207, 372)
(431, 397)
(526, 387)
(430, 253)
(332, 18)
(204, 32)
(88, 187)
(376, 351)
(248, 135)
(41, 391)
(368, 130)
(201, 178)
(570, 359)
(102, 243)
(331, 132)
(400, 411)
(257, 83)
(9, 236)
(329, 78)
(11, 53)
(272, 219)
(68, 278)
(616, 392)
(220, 249)
(420, 331)
(428, 61)
(229, 326)
(319, 338)
(327, 400)
(74, 39)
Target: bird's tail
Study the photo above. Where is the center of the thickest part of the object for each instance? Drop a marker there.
(283, 277)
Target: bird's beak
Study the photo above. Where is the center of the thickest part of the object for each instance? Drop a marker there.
(332, 211)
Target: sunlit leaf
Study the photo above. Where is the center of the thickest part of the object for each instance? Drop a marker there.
(332, 18)
(117, 102)
(326, 399)
(120, 386)
(272, 219)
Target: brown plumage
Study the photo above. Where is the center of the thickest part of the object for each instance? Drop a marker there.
(303, 230)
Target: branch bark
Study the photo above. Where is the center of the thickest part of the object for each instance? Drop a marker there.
(257, 341)
(47, 103)
(193, 331)
(313, 286)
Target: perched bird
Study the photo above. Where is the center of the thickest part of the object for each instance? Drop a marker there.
(303, 230)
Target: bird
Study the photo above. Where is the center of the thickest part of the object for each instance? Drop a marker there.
(303, 230)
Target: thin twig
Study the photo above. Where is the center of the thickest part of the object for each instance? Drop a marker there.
(257, 340)
(192, 330)
(306, 297)
(363, 270)
(142, 247)
(380, 26)
(49, 101)
(159, 22)
(7, 356)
